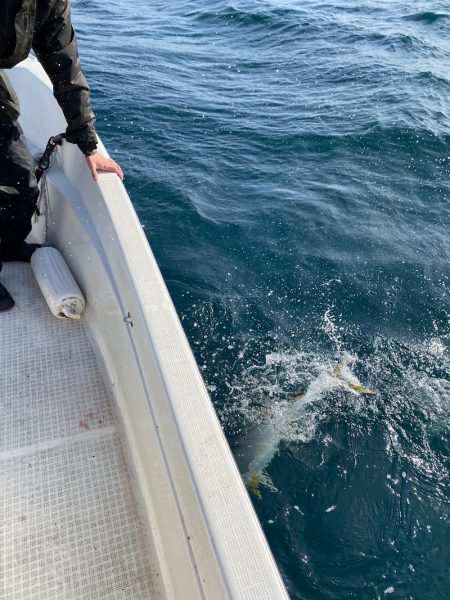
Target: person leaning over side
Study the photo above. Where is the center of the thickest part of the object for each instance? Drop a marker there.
(44, 26)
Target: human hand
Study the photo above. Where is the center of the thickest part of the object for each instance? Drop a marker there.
(97, 162)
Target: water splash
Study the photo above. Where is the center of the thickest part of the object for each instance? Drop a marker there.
(293, 395)
(296, 416)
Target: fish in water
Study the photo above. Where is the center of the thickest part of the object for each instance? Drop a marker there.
(353, 385)
(266, 439)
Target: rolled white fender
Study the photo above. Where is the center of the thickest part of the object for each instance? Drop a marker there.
(57, 284)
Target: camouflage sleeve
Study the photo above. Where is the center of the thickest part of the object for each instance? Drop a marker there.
(55, 45)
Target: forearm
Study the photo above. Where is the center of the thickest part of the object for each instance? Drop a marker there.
(72, 93)
(56, 47)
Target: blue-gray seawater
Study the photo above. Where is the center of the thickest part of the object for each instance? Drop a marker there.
(290, 162)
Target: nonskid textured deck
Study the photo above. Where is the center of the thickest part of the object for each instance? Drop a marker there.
(68, 526)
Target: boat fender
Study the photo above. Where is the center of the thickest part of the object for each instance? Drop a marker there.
(57, 283)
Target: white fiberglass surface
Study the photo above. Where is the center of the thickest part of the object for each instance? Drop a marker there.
(69, 523)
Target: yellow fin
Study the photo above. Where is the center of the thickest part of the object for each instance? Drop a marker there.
(338, 371)
(254, 485)
(360, 389)
(256, 479)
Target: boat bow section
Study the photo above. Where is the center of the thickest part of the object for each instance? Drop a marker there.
(202, 525)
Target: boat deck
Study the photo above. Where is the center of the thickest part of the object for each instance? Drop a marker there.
(69, 526)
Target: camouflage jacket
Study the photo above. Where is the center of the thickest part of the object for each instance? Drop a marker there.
(45, 26)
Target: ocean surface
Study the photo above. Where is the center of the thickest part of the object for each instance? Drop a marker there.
(290, 162)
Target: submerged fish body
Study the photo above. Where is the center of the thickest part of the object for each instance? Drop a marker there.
(266, 440)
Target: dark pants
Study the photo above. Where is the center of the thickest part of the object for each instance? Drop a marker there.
(18, 187)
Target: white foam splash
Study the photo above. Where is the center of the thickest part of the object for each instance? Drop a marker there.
(435, 346)
(289, 396)
(332, 330)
